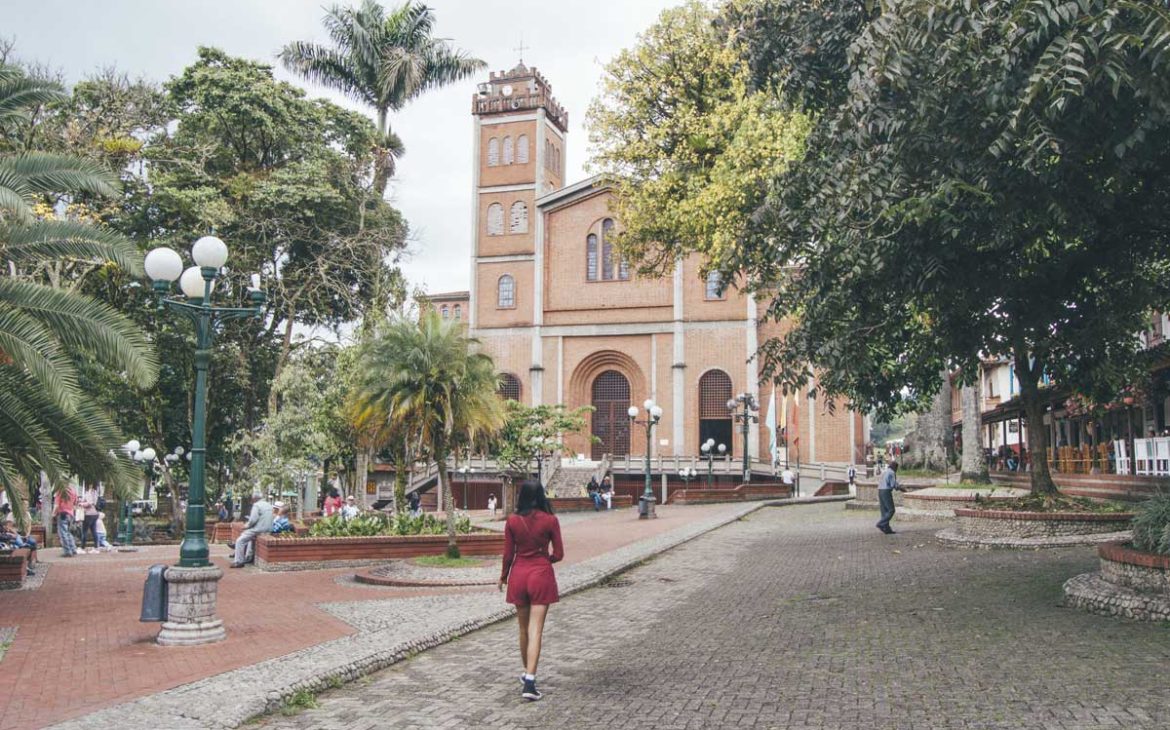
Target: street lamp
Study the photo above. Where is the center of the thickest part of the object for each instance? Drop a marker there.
(144, 457)
(195, 579)
(465, 470)
(653, 416)
(746, 417)
(687, 474)
(708, 448)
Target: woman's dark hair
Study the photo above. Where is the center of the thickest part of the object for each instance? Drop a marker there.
(334, 493)
(532, 497)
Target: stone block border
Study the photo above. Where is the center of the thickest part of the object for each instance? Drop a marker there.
(1131, 584)
(262, 688)
(991, 524)
(953, 538)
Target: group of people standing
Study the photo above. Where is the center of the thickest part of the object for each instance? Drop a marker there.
(90, 505)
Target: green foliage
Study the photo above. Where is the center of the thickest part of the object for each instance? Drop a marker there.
(424, 380)
(1151, 525)
(528, 429)
(300, 700)
(383, 61)
(442, 561)
(370, 524)
(688, 147)
(49, 422)
(979, 180)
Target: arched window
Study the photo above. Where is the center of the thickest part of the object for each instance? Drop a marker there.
(509, 388)
(522, 149)
(714, 280)
(445, 312)
(591, 257)
(519, 218)
(714, 418)
(495, 220)
(606, 250)
(458, 311)
(508, 151)
(493, 152)
(506, 292)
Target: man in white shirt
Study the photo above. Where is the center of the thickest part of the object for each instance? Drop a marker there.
(350, 510)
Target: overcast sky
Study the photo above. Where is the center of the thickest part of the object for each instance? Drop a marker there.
(568, 40)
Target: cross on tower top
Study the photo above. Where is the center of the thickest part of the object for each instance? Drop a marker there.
(520, 49)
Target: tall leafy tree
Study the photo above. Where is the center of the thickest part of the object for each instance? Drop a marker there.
(424, 379)
(990, 182)
(48, 422)
(382, 60)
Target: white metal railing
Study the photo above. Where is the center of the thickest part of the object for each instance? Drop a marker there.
(1151, 457)
(1121, 460)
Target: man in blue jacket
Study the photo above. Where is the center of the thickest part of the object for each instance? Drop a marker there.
(886, 486)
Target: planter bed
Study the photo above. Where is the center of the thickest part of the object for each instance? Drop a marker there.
(1130, 584)
(1006, 528)
(867, 495)
(940, 503)
(584, 504)
(309, 553)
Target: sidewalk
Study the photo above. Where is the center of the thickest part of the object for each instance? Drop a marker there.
(79, 647)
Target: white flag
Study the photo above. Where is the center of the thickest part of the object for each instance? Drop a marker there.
(770, 422)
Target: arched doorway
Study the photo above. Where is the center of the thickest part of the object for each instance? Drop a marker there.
(714, 418)
(611, 422)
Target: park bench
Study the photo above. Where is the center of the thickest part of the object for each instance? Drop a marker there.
(582, 504)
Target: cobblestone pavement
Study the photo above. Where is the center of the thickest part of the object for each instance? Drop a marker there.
(800, 617)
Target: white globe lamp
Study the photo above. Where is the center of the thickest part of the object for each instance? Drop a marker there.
(191, 283)
(633, 411)
(163, 264)
(209, 252)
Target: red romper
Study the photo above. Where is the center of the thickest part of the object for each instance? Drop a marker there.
(527, 563)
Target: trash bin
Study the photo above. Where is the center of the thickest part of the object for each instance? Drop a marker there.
(646, 508)
(154, 595)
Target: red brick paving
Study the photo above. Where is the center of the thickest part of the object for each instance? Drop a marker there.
(80, 646)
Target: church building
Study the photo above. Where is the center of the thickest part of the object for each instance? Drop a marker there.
(567, 319)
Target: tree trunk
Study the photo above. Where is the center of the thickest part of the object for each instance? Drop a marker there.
(1042, 483)
(285, 350)
(446, 494)
(974, 466)
(928, 441)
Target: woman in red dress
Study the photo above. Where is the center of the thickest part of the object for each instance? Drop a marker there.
(528, 573)
(332, 503)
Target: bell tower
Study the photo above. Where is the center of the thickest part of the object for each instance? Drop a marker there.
(519, 143)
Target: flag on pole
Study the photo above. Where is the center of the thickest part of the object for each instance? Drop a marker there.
(770, 422)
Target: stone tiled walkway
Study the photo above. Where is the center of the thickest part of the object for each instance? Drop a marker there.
(801, 617)
(80, 647)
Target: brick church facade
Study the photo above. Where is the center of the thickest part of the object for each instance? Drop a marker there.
(568, 321)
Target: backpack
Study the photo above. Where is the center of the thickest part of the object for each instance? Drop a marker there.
(101, 504)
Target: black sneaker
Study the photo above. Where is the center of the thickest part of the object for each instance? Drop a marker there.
(530, 692)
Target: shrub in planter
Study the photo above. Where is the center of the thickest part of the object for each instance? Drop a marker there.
(372, 524)
(1151, 525)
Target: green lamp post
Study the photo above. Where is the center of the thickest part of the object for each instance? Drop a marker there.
(653, 416)
(164, 266)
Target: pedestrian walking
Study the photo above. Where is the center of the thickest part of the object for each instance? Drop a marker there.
(529, 575)
(492, 504)
(852, 474)
(64, 506)
(99, 528)
(886, 487)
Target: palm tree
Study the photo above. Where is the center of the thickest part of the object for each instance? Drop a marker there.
(384, 61)
(423, 379)
(48, 423)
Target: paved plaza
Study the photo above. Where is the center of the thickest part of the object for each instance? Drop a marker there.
(794, 617)
(79, 646)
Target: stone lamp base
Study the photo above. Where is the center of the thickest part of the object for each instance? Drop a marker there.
(192, 594)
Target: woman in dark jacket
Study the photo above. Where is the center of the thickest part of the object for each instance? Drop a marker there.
(528, 573)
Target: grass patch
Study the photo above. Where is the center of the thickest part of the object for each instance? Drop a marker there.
(300, 700)
(442, 561)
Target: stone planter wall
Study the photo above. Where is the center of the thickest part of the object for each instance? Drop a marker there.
(1004, 523)
(1122, 565)
(307, 553)
(939, 502)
